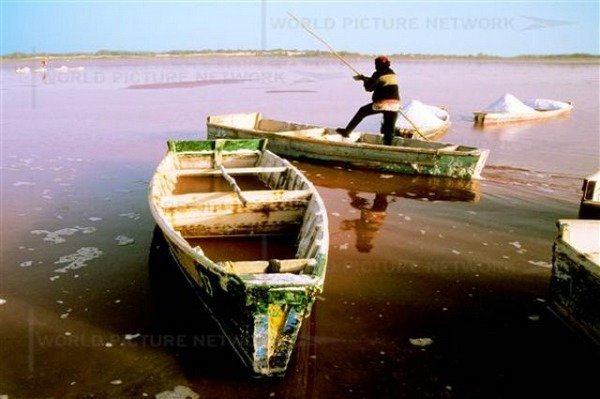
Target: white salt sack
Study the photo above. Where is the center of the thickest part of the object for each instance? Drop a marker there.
(423, 115)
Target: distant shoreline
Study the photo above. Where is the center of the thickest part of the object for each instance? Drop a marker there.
(106, 54)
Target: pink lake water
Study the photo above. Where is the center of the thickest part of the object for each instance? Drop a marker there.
(465, 264)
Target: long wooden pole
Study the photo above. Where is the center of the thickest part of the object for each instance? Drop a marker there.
(332, 50)
(306, 28)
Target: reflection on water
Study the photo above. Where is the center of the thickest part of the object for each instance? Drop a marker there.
(395, 185)
(372, 215)
(370, 192)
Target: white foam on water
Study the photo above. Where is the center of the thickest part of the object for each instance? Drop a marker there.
(26, 263)
(23, 183)
(508, 104)
(540, 263)
(421, 342)
(131, 215)
(57, 237)
(2, 301)
(116, 382)
(386, 176)
(516, 244)
(124, 240)
(179, 392)
(78, 259)
(94, 219)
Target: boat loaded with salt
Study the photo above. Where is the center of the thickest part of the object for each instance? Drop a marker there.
(509, 109)
(234, 194)
(408, 156)
(430, 120)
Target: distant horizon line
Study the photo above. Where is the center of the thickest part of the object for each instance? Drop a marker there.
(277, 52)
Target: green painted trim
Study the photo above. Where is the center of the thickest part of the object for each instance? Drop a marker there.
(230, 145)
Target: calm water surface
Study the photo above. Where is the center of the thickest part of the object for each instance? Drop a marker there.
(92, 306)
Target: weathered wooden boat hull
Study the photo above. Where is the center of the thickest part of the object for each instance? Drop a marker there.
(575, 282)
(491, 118)
(258, 304)
(589, 208)
(407, 156)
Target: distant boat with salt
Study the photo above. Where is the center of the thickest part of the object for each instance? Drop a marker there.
(431, 121)
(509, 109)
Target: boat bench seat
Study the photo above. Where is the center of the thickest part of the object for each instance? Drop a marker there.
(230, 171)
(229, 198)
(296, 266)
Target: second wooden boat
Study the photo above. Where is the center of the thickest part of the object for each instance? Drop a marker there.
(408, 156)
(509, 109)
(250, 233)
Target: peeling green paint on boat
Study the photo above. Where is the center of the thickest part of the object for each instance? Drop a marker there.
(214, 145)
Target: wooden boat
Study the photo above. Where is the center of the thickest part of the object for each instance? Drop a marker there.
(408, 156)
(589, 208)
(213, 200)
(575, 281)
(533, 110)
(437, 123)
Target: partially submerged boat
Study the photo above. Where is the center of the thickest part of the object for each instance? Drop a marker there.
(575, 282)
(509, 109)
(589, 208)
(250, 233)
(408, 156)
(431, 121)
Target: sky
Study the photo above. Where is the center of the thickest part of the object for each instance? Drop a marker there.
(505, 28)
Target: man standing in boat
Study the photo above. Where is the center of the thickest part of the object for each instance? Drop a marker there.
(386, 100)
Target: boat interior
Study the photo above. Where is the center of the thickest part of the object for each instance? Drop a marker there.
(244, 208)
